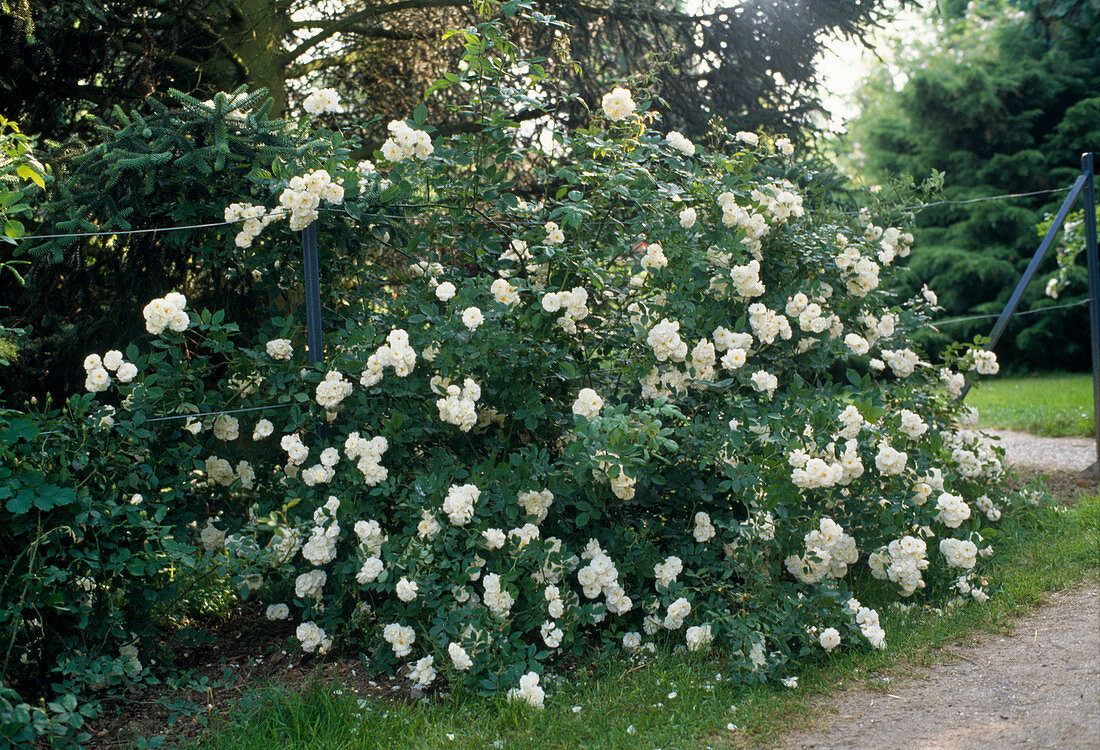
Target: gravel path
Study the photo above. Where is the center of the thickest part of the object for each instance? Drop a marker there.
(1036, 688)
(1065, 454)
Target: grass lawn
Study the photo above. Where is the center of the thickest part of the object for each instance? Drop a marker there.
(670, 701)
(1053, 405)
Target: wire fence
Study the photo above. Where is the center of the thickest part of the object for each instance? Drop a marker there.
(278, 213)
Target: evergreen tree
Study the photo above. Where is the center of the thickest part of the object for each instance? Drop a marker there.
(1003, 100)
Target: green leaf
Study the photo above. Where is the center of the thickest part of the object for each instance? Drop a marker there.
(13, 228)
(420, 114)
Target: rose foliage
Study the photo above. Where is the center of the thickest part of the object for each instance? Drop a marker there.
(627, 391)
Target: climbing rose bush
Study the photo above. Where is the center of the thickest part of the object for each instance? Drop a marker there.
(612, 388)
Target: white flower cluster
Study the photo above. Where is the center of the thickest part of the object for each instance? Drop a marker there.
(313, 638)
(687, 217)
(702, 360)
(226, 427)
(212, 538)
(97, 378)
(901, 361)
(749, 139)
(680, 143)
(811, 316)
(459, 405)
(323, 472)
(754, 225)
(459, 503)
(320, 549)
(276, 612)
(219, 471)
(901, 561)
(951, 510)
(779, 200)
(588, 403)
(812, 473)
(829, 552)
(746, 280)
(768, 324)
(667, 571)
(322, 102)
(664, 339)
(280, 349)
(459, 657)
(735, 345)
(601, 577)
(296, 451)
(422, 672)
(853, 422)
(496, 599)
(888, 460)
(368, 456)
(310, 585)
(764, 382)
(677, 612)
(868, 621)
(985, 505)
(953, 382)
(554, 235)
(704, 530)
(829, 638)
(573, 302)
(959, 553)
(304, 193)
(784, 146)
(893, 243)
(166, 312)
(406, 589)
(529, 690)
(654, 257)
(472, 317)
(618, 104)
(332, 390)
(911, 424)
(400, 637)
(255, 218)
(698, 637)
(504, 293)
(985, 363)
(536, 503)
(395, 353)
(860, 273)
(405, 142)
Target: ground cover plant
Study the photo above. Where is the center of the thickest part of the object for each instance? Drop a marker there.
(619, 392)
(1053, 405)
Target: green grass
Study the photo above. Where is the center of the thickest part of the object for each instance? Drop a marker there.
(1054, 405)
(674, 701)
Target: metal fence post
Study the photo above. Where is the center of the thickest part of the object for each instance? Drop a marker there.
(314, 341)
(1089, 199)
(1014, 301)
(313, 295)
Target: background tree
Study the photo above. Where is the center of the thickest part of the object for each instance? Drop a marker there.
(752, 64)
(1003, 100)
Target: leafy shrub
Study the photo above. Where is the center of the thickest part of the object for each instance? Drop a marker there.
(655, 400)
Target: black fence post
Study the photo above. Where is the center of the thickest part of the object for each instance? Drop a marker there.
(1089, 199)
(313, 294)
(314, 341)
